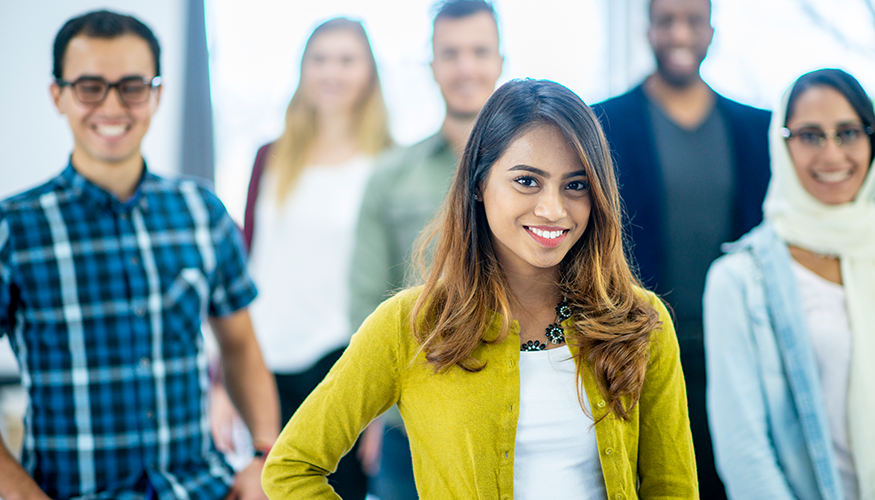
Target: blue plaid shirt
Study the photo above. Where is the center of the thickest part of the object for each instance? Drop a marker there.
(103, 302)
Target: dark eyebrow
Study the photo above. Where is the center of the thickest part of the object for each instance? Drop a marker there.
(98, 77)
(839, 124)
(538, 171)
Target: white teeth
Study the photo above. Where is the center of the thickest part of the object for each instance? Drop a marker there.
(831, 177)
(550, 235)
(111, 130)
(683, 57)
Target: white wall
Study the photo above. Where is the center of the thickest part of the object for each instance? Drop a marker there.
(34, 139)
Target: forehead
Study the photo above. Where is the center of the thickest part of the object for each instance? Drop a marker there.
(110, 58)
(822, 105)
(543, 146)
(659, 8)
(477, 29)
(339, 40)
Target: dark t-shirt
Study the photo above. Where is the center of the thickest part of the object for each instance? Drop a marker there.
(699, 192)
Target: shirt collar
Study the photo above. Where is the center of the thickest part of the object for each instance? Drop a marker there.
(101, 199)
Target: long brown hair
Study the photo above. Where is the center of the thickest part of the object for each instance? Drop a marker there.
(612, 318)
(289, 153)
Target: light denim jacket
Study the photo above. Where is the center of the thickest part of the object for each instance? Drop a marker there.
(765, 405)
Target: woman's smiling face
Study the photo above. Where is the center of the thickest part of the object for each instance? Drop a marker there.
(536, 199)
(831, 173)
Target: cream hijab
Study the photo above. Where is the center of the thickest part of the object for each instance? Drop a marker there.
(848, 231)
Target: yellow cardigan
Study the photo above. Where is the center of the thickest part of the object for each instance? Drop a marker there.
(462, 425)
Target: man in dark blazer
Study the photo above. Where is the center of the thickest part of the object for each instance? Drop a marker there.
(693, 167)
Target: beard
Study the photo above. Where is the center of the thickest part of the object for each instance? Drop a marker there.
(678, 79)
(459, 115)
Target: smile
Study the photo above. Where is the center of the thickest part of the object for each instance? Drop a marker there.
(110, 130)
(546, 237)
(833, 177)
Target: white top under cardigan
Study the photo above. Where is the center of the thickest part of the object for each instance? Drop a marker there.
(300, 257)
(826, 317)
(556, 454)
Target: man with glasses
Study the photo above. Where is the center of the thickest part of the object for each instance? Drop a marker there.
(105, 274)
(692, 168)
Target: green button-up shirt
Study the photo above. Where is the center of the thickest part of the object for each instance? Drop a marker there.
(404, 193)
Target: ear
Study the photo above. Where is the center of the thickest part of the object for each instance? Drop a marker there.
(710, 34)
(651, 37)
(157, 97)
(56, 91)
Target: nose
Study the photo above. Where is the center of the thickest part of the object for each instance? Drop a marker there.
(551, 205)
(113, 102)
(681, 32)
(831, 151)
(467, 62)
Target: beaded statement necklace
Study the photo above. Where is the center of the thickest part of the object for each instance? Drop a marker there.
(554, 332)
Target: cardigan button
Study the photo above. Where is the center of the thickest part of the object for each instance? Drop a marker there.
(601, 404)
(608, 451)
(619, 496)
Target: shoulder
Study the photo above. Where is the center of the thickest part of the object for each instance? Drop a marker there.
(390, 321)
(622, 104)
(399, 159)
(738, 110)
(401, 303)
(738, 268)
(29, 200)
(193, 189)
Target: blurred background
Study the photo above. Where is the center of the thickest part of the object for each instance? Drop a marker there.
(230, 69)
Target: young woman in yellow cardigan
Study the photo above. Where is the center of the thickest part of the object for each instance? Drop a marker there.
(531, 363)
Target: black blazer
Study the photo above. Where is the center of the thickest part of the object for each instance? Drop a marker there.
(628, 127)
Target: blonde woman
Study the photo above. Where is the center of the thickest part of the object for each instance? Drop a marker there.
(303, 204)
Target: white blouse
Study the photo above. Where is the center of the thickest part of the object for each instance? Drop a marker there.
(826, 317)
(300, 258)
(556, 454)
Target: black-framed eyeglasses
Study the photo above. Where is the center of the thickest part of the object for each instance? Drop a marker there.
(92, 90)
(848, 137)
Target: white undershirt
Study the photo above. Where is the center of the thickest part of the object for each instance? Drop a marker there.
(556, 455)
(826, 317)
(301, 252)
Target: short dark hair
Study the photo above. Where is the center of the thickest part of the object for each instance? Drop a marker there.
(455, 9)
(650, 9)
(844, 84)
(102, 24)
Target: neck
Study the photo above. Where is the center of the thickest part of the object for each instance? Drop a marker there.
(688, 106)
(455, 130)
(533, 290)
(335, 140)
(119, 178)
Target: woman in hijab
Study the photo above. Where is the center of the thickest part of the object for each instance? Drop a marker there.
(790, 311)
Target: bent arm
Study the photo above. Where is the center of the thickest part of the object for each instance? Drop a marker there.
(737, 411)
(361, 385)
(250, 385)
(666, 459)
(15, 483)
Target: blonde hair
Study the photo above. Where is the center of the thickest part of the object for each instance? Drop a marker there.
(289, 153)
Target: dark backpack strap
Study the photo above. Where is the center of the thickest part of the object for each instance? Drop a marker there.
(252, 194)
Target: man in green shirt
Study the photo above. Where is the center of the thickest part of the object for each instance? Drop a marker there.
(406, 191)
